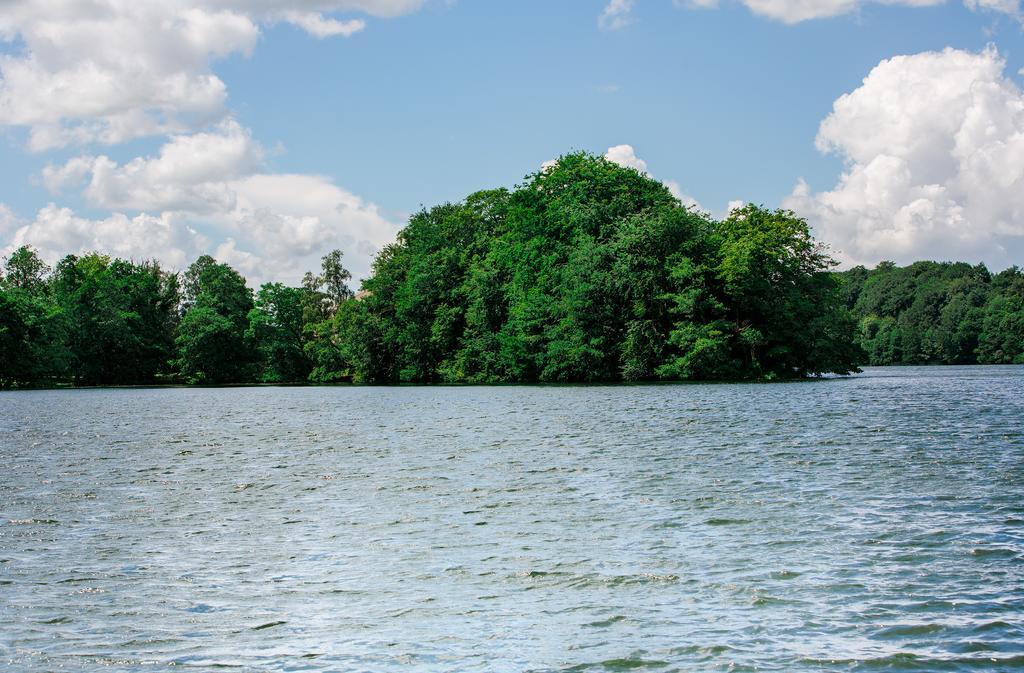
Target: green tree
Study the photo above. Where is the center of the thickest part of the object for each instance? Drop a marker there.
(924, 313)
(785, 310)
(1002, 335)
(591, 272)
(25, 270)
(211, 342)
(32, 329)
(334, 279)
(120, 317)
(276, 332)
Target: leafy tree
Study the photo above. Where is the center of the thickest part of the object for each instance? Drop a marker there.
(25, 270)
(784, 308)
(334, 279)
(119, 316)
(191, 283)
(211, 342)
(935, 313)
(591, 272)
(1002, 335)
(587, 271)
(276, 332)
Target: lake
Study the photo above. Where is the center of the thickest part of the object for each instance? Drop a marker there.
(869, 523)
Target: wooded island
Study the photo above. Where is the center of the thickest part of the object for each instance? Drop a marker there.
(587, 271)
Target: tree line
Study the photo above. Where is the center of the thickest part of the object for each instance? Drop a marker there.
(93, 320)
(937, 313)
(587, 271)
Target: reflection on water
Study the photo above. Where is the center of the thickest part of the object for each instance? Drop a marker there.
(871, 523)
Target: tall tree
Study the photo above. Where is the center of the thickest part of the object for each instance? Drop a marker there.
(119, 315)
(334, 280)
(24, 269)
(276, 332)
(211, 342)
(32, 329)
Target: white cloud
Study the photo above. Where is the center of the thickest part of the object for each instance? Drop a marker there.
(795, 11)
(379, 8)
(683, 197)
(734, 205)
(108, 71)
(617, 15)
(274, 226)
(8, 221)
(56, 232)
(290, 221)
(1011, 7)
(625, 155)
(933, 144)
(315, 24)
(191, 173)
(111, 70)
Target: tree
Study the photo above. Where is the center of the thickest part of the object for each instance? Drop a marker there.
(591, 272)
(276, 332)
(24, 269)
(776, 309)
(192, 282)
(32, 331)
(1002, 335)
(120, 316)
(335, 279)
(931, 313)
(211, 342)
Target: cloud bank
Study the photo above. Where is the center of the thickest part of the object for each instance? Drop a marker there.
(934, 151)
(209, 191)
(104, 72)
(107, 71)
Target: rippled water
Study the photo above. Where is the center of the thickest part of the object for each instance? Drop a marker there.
(870, 523)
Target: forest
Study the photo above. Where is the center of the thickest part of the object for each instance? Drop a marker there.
(587, 271)
(937, 313)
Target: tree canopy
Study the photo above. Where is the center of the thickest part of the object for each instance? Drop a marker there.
(587, 271)
(937, 313)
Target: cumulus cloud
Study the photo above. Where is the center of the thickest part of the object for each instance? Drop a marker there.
(625, 155)
(191, 173)
(795, 11)
(1011, 7)
(271, 225)
(8, 221)
(317, 25)
(933, 145)
(111, 70)
(58, 231)
(684, 198)
(616, 15)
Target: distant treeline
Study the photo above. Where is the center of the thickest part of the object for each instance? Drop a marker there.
(586, 272)
(937, 313)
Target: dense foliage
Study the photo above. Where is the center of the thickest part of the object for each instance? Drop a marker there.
(937, 313)
(594, 272)
(586, 272)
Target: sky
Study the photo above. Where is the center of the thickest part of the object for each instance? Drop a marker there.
(268, 132)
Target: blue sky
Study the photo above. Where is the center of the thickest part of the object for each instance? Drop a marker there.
(429, 101)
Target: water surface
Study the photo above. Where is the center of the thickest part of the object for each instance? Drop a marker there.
(862, 524)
